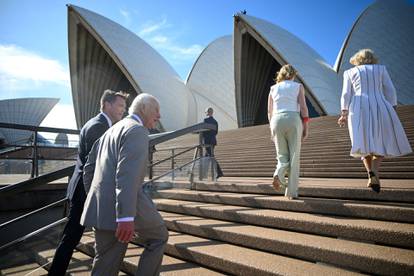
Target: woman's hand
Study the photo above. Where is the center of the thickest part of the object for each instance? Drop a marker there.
(305, 132)
(342, 120)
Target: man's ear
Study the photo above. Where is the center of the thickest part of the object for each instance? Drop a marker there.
(106, 106)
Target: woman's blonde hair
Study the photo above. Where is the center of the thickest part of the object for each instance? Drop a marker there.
(363, 56)
(286, 73)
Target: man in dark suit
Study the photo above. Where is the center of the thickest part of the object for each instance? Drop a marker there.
(113, 106)
(209, 138)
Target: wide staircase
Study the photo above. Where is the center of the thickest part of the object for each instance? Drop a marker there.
(239, 225)
(250, 152)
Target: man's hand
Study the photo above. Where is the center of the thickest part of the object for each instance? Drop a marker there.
(125, 231)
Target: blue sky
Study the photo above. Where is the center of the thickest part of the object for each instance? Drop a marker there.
(33, 36)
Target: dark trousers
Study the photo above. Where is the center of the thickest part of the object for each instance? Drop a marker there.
(210, 153)
(71, 234)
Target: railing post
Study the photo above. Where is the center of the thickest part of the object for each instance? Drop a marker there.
(192, 168)
(150, 159)
(212, 162)
(35, 167)
(172, 165)
(200, 167)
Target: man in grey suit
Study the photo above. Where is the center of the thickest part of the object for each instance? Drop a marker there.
(116, 205)
(113, 106)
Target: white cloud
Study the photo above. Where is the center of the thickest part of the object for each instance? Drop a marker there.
(153, 33)
(126, 15)
(159, 39)
(150, 27)
(22, 69)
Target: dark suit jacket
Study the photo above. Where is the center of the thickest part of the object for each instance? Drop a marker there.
(209, 137)
(91, 131)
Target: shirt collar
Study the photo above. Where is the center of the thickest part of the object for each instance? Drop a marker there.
(136, 117)
(107, 118)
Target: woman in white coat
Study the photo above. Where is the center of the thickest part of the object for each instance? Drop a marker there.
(288, 117)
(368, 104)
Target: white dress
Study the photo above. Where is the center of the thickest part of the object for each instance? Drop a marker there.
(374, 126)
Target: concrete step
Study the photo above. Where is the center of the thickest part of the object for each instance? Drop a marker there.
(239, 260)
(170, 266)
(329, 168)
(328, 188)
(349, 208)
(80, 264)
(252, 172)
(312, 160)
(31, 268)
(270, 159)
(381, 232)
(367, 258)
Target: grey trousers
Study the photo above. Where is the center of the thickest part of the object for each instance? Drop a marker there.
(109, 252)
(287, 132)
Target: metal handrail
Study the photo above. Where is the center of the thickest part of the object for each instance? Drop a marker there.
(156, 139)
(39, 128)
(63, 200)
(34, 233)
(172, 156)
(37, 181)
(40, 146)
(35, 146)
(166, 173)
(175, 148)
(163, 137)
(43, 179)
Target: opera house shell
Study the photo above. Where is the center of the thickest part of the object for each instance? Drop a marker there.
(23, 111)
(211, 82)
(387, 27)
(233, 74)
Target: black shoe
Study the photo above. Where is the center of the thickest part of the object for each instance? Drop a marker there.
(374, 182)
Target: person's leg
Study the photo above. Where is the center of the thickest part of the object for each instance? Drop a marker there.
(367, 160)
(373, 180)
(217, 165)
(209, 150)
(153, 240)
(282, 150)
(109, 253)
(294, 136)
(376, 164)
(71, 236)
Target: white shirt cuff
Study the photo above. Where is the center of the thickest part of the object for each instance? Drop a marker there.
(125, 219)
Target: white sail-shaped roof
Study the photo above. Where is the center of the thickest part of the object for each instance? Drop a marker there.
(23, 111)
(386, 27)
(318, 77)
(211, 81)
(96, 44)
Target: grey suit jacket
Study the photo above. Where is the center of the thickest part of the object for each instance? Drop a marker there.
(119, 159)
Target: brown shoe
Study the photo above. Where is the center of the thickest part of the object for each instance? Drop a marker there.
(276, 183)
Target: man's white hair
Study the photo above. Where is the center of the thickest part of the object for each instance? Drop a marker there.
(140, 103)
